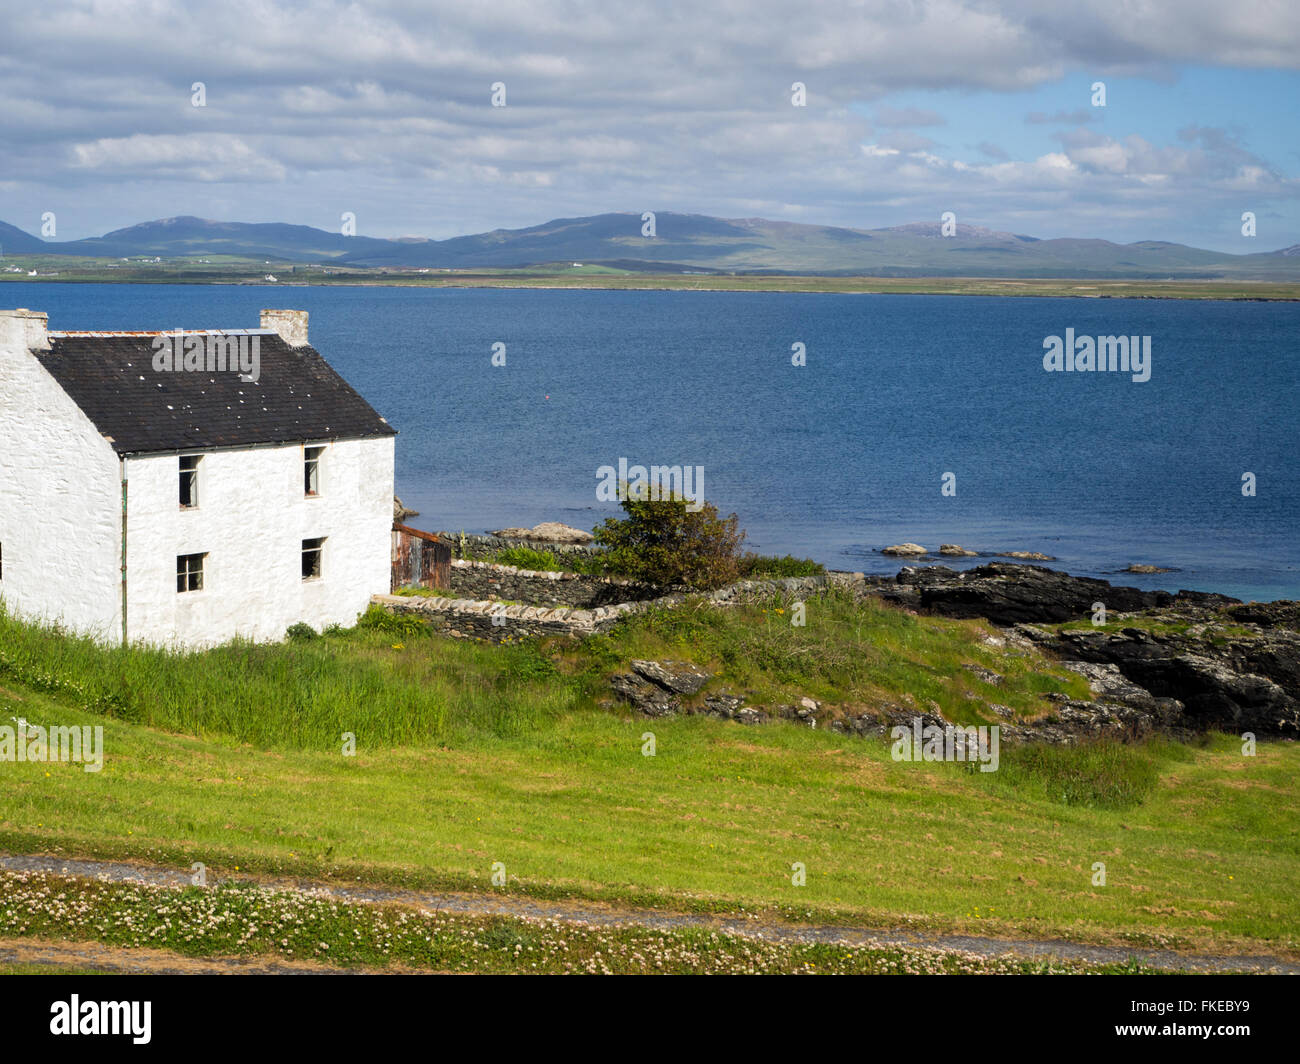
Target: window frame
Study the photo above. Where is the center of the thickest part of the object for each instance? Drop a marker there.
(187, 571)
(317, 571)
(311, 471)
(193, 473)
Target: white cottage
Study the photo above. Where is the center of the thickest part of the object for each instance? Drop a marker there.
(187, 500)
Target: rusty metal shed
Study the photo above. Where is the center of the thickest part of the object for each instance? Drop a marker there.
(420, 559)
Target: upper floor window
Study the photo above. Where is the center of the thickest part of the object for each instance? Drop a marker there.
(312, 549)
(311, 470)
(190, 481)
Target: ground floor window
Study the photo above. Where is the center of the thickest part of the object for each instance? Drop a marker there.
(189, 572)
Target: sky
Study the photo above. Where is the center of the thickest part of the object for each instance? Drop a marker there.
(384, 109)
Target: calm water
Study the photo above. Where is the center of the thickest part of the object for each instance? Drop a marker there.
(835, 459)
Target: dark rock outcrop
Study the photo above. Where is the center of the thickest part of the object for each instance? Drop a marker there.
(1242, 683)
(1283, 613)
(680, 677)
(1009, 594)
(649, 698)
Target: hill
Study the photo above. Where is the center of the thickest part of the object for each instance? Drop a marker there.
(691, 242)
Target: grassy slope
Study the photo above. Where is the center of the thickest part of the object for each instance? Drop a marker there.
(1200, 844)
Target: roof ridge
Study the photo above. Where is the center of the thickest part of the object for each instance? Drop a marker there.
(64, 333)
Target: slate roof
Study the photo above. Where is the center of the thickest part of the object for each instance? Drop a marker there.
(298, 397)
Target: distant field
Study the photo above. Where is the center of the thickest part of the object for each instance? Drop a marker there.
(224, 270)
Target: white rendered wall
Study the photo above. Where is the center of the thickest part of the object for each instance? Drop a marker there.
(251, 520)
(60, 504)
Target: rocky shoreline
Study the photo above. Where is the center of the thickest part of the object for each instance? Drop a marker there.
(1178, 664)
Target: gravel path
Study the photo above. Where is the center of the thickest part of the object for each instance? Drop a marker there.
(600, 914)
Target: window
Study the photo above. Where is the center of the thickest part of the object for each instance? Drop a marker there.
(189, 572)
(190, 481)
(311, 555)
(311, 470)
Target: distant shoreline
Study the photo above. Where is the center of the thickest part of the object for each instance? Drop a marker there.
(1076, 288)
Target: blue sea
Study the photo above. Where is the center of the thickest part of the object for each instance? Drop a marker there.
(834, 459)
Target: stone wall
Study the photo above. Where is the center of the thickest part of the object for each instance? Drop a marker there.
(499, 623)
(484, 580)
(476, 547)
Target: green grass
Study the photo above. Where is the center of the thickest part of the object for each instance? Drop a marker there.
(541, 561)
(1205, 857)
(854, 654)
(769, 566)
(1157, 624)
(303, 692)
(467, 754)
(391, 680)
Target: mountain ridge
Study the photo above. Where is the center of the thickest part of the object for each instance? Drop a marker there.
(683, 242)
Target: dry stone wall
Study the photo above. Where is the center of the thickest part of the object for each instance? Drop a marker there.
(498, 622)
(484, 580)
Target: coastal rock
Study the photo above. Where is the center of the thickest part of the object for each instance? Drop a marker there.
(980, 672)
(1027, 555)
(1240, 683)
(655, 687)
(1284, 613)
(1009, 594)
(1138, 568)
(904, 550)
(1111, 685)
(546, 532)
(1071, 721)
(401, 512)
(954, 550)
(680, 677)
(723, 704)
(649, 698)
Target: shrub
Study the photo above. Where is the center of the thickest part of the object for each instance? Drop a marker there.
(662, 542)
(300, 633)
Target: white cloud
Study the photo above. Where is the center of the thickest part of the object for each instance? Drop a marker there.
(385, 107)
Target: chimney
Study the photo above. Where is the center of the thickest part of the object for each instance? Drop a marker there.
(290, 324)
(24, 330)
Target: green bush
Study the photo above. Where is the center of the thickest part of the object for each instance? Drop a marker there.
(662, 542)
(301, 633)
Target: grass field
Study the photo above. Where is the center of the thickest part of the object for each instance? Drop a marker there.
(469, 755)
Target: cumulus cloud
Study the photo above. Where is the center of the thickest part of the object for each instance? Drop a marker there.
(316, 106)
